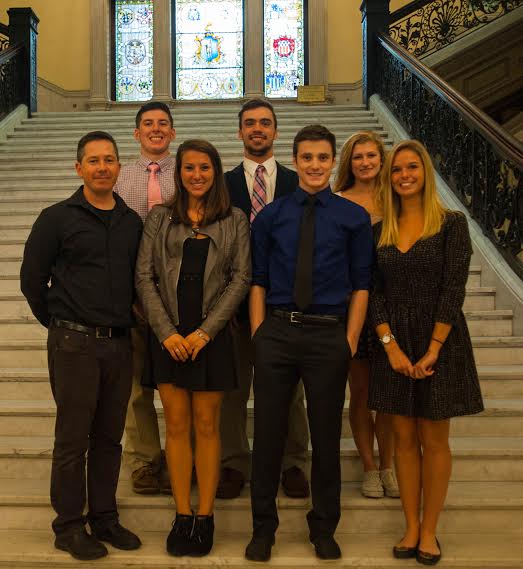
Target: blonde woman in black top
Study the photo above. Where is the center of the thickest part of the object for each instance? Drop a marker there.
(357, 179)
(424, 372)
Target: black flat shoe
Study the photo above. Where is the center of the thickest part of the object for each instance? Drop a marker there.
(426, 558)
(403, 552)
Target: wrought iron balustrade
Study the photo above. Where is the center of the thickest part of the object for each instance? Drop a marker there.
(480, 162)
(12, 62)
(424, 26)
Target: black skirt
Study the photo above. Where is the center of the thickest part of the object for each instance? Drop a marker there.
(214, 368)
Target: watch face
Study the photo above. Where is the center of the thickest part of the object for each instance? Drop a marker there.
(386, 338)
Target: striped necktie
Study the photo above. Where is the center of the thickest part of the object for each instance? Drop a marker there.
(154, 194)
(259, 192)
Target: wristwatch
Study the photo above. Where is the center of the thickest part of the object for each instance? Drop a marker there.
(387, 338)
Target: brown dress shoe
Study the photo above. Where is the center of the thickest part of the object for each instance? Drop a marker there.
(145, 480)
(294, 483)
(231, 483)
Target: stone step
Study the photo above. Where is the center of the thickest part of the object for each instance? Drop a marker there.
(502, 417)
(34, 550)
(14, 220)
(482, 507)
(474, 458)
(32, 384)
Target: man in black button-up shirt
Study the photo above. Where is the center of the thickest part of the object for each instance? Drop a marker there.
(314, 342)
(77, 275)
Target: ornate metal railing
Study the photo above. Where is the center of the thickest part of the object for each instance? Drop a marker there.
(4, 37)
(479, 161)
(424, 26)
(12, 61)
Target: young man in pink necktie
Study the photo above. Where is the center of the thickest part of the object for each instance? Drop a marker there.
(143, 184)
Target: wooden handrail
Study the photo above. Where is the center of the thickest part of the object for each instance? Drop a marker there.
(10, 52)
(408, 9)
(507, 144)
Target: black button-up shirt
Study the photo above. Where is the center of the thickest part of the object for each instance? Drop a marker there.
(343, 250)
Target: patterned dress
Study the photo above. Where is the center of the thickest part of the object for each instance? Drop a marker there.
(412, 291)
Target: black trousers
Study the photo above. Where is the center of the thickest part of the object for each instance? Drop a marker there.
(91, 383)
(320, 356)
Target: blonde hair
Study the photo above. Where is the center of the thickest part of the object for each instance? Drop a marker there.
(433, 210)
(344, 174)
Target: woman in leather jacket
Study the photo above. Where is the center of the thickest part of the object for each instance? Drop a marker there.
(193, 270)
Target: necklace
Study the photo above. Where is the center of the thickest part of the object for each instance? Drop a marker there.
(195, 231)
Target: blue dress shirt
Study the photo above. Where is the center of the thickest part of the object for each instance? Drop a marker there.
(343, 250)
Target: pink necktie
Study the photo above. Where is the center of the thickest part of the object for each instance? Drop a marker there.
(154, 194)
(259, 192)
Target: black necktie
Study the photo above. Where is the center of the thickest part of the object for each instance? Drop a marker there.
(303, 279)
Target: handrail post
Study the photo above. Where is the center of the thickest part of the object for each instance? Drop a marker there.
(375, 15)
(23, 29)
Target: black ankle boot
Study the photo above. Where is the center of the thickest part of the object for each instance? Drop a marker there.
(179, 538)
(202, 535)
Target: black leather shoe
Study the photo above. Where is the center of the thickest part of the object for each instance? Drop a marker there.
(202, 536)
(259, 548)
(426, 558)
(294, 483)
(179, 538)
(118, 537)
(402, 552)
(326, 547)
(81, 545)
(230, 484)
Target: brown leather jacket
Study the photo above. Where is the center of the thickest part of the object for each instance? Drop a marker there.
(227, 274)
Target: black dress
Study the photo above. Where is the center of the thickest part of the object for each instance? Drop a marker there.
(412, 291)
(214, 368)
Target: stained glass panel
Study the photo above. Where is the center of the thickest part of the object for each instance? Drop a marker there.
(134, 49)
(284, 47)
(209, 49)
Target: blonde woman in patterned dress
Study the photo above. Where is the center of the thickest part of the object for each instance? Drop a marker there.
(357, 179)
(424, 372)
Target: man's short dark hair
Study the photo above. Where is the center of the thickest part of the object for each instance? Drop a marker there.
(153, 106)
(91, 137)
(252, 104)
(314, 132)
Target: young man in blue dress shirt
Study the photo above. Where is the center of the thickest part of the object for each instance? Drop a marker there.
(311, 252)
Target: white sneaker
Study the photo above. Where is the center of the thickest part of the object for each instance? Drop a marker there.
(389, 483)
(371, 487)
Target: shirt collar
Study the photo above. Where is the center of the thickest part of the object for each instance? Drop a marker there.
(166, 163)
(323, 197)
(251, 165)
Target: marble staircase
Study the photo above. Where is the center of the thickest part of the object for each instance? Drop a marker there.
(481, 526)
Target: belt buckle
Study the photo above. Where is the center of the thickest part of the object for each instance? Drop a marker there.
(293, 318)
(100, 334)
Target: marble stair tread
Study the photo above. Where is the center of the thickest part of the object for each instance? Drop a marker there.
(468, 494)
(34, 549)
(499, 407)
(473, 447)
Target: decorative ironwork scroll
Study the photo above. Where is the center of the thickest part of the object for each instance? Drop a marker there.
(480, 162)
(425, 27)
(4, 37)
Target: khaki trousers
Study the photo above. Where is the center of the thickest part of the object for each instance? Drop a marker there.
(142, 436)
(233, 427)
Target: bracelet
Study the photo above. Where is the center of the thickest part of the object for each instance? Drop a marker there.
(201, 335)
(438, 341)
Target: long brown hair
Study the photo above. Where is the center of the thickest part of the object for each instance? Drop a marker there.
(433, 210)
(217, 203)
(344, 174)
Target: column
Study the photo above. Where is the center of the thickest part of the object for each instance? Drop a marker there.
(100, 96)
(23, 25)
(162, 52)
(375, 19)
(253, 57)
(318, 49)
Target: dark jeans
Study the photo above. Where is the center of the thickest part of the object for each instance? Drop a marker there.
(91, 383)
(284, 353)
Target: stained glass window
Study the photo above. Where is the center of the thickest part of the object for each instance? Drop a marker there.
(209, 49)
(134, 49)
(284, 47)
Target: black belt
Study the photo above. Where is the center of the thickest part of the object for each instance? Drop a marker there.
(301, 318)
(98, 331)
